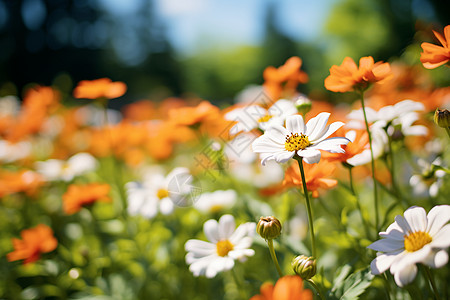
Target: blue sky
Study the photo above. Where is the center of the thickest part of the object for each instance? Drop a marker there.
(197, 24)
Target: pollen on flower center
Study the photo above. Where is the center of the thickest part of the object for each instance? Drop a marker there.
(416, 240)
(162, 193)
(296, 142)
(223, 247)
(264, 119)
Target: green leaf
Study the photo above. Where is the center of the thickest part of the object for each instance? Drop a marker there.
(350, 286)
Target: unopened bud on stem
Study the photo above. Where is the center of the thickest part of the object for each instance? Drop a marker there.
(304, 266)
(269, 228)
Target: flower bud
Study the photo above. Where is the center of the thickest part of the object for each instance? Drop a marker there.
(442, 118)
(303, 105)
(268, 227)
(304, 266)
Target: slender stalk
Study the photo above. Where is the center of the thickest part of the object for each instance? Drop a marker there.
(239, 285)
(433, 284)
(375, 190)
(316, 288)
(308, 206)
(387, 287)
(274, 256)
(352, 189)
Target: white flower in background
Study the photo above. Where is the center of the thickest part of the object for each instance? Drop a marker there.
(414, 238)
(282, 143)
(242, 164)
(224, 247)
(152, 195)
(400, 116)
(216, 201)
(10, 152)
(254, 116)
(92, 115)
(55, 169)
(251, 94)
(430, 180)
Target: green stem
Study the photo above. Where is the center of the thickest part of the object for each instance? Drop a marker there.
(242, 290)
(308, 206)
(352, 189)
(387, 286)
(372, 160)
(433, 284)
(448, 131)
(274, 256)
(316, 288)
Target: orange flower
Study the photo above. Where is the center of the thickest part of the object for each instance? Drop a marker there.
(315, 175)
(283, 81)
(21, 181)
(434, 56)
(359, 144)
(99, 88)
(34, 241)
(78, 195)
(288, 287)
(189, 116)
(348, 77)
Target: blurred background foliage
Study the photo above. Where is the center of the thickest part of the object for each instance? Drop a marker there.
(64, 41)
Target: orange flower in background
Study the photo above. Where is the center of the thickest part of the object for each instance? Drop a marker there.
(315, 175)
(34, 241)
(434, 56)
(38, 103)
(139, 111)
(288, 287)
(349, 77)
(283, 81)
(22, 181)
(189, 116)
(78, 195)
(360, 142)
(99, 88)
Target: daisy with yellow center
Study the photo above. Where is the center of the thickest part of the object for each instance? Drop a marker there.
(254, 116)
(226, 245)
(413, 238)
(281, 143)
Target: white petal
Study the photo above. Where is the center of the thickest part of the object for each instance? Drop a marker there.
(381, 263)
(438, 217)
(442, 238)
(394, 231)
(387, 245)
(403, 224)
(218, 265)
(417, 218)
(198, 267)
(166, 206)
(246, 229)
(438, 260)
(331, 145)
(405, 275)
(351, 135)
(226, 226)
(310, 156)
(282, 107)
(295, 124)
(241, 253)
(316, 126)
(411, 258)
(277, 133)
(283, 156)
(210, 228)
(329, 130)
(416, 130)
(200, 248)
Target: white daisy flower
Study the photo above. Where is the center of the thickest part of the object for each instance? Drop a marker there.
(55, 169)
(283, 143)
(430, 180)
(215, 201)
(153, 195)
(226, 245)
(254, 116)
(11, 152)
(414, 238)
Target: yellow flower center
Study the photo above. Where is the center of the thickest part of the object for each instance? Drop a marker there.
(223, 247)
(296, 142)
(264, 119)
(162, 193)
(416, 240)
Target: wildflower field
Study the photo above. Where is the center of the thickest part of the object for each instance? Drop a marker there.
(277, 196)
